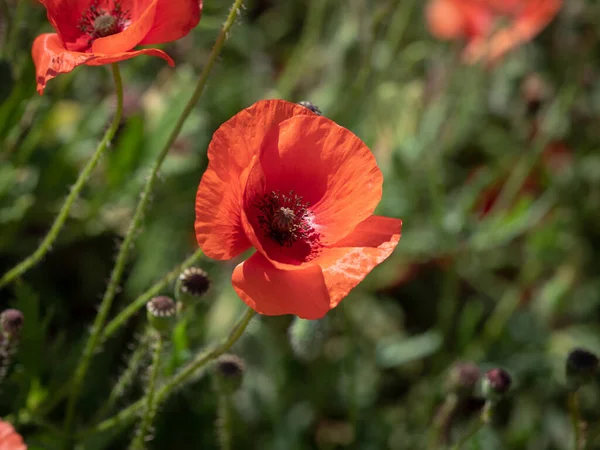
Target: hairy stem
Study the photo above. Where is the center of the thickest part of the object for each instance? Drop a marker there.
(150, 406)
(223, 424)
(136, 221)
(63, 214)
(578, 426)
(128, 376)
(183, 376)
(88, 351)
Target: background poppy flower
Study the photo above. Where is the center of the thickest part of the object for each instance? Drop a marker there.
(9, 438)
(96, 32)
(477, 21)
(301, 190)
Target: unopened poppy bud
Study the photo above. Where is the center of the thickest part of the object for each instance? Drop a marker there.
(581, 367)
(534, 90)
(463, 378)
(230, 370)
(496, 384)
(307, 337)
(162, 313)
(12, 321)
(313, 108)
(191, 284)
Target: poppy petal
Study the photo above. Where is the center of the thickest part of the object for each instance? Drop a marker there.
(51, 58)
(328, 166)
(173, 20)
(536, 15)
(274, 292)
(131, 36)
(445, 19)
(219, 231)
(349, 262)
(9, 438)
(64, 15)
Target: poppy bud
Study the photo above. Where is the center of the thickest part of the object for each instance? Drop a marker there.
(307, 337)
(534, 90)
(496, 384)
(12, 322)
(230, 372)
(161, 312)
(191, 284)
(463, 378)
(581, 367)
(313, 108)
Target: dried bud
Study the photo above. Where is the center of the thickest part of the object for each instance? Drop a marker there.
(191, 284)
(581, 367)
(230, 371)
(496, 384)
(307, 337)
(12, 321)
(463, 378)
(312, 107)
(162, 312)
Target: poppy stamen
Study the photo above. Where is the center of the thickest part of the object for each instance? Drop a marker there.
(285, 217)
(97, 22)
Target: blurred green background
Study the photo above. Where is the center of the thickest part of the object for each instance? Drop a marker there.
(495, 173)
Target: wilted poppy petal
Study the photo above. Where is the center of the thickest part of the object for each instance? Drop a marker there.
(173, 20)
(131, 36)
(219, 198)
(51, 58)
(349, 262)
(273, 292)
(324, 163)
(9, 438)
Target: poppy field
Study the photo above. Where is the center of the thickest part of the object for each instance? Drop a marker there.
(300, 224)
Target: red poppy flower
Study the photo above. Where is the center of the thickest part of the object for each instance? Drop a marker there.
(301, 190)
(97, 32)
(478, 21)
(9, 438)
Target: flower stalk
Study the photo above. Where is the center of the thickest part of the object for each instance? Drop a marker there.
(150, 406)
(136, 221)
(223, 425)
(183, 376)
(84, 176)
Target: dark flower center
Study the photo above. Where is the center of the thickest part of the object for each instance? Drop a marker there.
(284, 217)
(97, 22)
(105, 25)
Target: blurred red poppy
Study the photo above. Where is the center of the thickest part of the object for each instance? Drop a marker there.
(9, 438)
(479, 22)
(97, 32)
(301, 190)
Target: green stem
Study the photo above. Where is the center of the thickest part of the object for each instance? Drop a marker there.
(443, 421)
(88, 351)
(150, 411)
(223, 425)
(472, 432)
(578, 437)
(184, 375)
(63, 214)
(128, 376)
(136, 221)
(4, 28)
(114, 325)
(117, 322)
